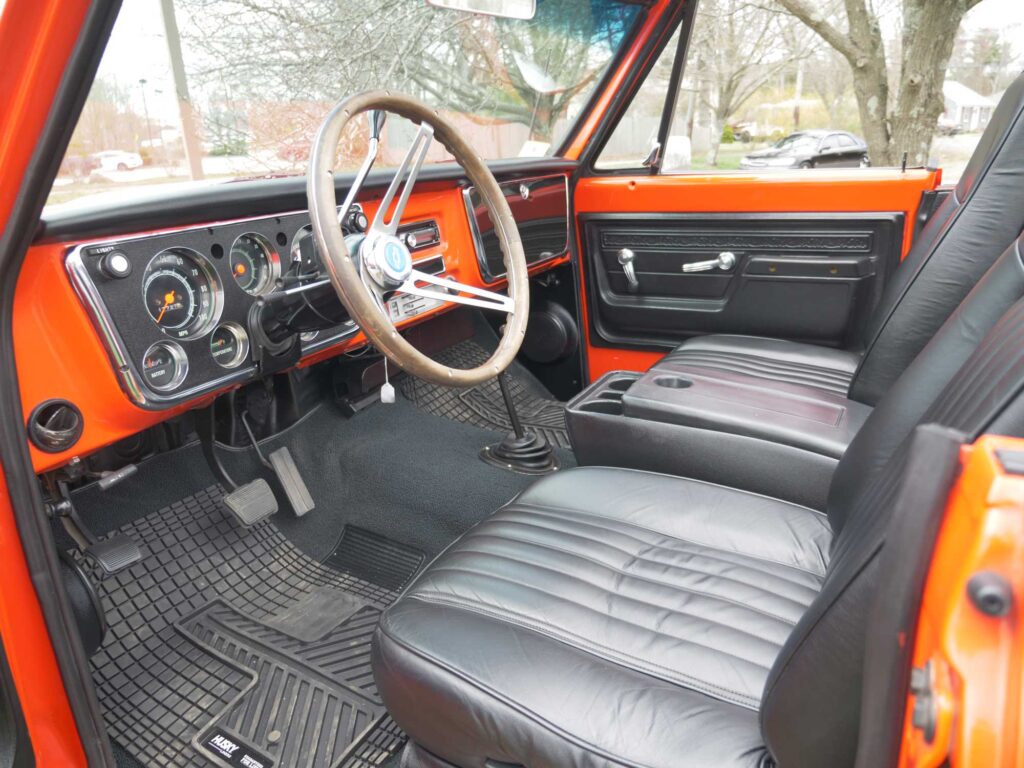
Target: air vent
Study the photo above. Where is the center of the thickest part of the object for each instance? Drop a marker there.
(55, 426)
(431, 266)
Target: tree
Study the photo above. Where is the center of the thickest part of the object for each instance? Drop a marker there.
(527, 73)
(903, 118)
(736, 50)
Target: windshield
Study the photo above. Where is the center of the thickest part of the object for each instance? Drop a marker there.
(203, 91)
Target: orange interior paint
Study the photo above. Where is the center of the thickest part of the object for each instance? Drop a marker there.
(37, 39)
(815, 191)
(978, 659)
(60, 354)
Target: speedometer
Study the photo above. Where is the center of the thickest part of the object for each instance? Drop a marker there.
(181, 293)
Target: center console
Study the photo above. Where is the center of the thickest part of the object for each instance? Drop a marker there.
(714, 426)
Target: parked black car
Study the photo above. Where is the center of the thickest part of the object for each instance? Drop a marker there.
(811, 149)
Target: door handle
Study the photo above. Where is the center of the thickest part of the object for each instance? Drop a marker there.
(725, 260)
(626, 258)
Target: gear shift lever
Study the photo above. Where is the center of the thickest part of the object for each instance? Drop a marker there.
(521, 450)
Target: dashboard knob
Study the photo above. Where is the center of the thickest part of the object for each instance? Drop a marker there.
(115, 264)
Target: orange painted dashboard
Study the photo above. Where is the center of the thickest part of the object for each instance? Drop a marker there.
(61, 352)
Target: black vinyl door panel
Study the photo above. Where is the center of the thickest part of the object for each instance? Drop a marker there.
(805, 277)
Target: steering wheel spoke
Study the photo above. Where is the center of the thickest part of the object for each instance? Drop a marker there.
(411, 163)
(455, 292)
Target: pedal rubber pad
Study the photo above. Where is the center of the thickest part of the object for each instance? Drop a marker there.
(251, 503)
(115, 553)
(294, 486)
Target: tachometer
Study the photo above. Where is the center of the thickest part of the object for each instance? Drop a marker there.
(181, 293)
(254, 263)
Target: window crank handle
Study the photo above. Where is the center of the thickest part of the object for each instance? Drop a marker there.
(626, 258)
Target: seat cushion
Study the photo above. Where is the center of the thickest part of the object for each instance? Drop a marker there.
(604, 617)
(771, 360)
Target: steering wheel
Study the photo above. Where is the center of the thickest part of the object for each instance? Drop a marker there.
(382, 264)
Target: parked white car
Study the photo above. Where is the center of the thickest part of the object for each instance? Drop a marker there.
(117, 160)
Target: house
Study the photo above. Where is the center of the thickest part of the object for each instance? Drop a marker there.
(966, 109)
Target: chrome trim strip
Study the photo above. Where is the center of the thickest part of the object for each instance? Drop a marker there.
(474, 227)
(129, 377)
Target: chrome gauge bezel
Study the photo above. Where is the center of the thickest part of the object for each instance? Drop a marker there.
(180, 366)
(273, 273)
(241, 342)
(207, 316)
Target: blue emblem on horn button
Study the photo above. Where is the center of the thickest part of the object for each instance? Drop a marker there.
(394, 255)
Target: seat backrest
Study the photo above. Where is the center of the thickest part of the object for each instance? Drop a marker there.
(969, 378)
(971, 227)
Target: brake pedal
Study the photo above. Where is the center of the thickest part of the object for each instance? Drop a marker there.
(115, 553)
(251, 503)
(283, 465)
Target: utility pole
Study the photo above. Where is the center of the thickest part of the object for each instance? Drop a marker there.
(189, 131)
(145, 112)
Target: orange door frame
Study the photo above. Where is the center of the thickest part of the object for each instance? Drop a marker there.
(974, 658)
(38, 38)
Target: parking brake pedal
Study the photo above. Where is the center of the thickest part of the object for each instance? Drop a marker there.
(112, 554)
(284, 468)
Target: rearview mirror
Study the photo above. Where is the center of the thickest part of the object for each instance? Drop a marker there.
(507, 9)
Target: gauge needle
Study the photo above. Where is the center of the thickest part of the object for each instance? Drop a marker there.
(168, 300)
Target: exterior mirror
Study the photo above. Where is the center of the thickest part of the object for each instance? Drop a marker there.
(506, 9)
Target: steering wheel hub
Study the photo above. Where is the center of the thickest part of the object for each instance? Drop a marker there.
(387, 260)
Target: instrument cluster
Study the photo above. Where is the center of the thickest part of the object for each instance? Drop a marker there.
(190, 311)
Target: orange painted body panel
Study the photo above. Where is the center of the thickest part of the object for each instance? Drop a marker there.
(37, 38)
(817, 191)
(978, 659)
(60, 353)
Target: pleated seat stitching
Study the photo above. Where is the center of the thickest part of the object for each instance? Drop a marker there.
(674, 587)
(685, 568)
(484, 574)
(553, 512)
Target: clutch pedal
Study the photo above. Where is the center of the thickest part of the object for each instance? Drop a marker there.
(251, 503)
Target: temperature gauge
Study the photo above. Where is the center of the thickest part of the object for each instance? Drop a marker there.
(229, 345)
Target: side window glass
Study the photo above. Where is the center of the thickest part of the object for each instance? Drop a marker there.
(635, 137)
(770, 86)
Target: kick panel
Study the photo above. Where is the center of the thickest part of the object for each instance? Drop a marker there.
(656, 279)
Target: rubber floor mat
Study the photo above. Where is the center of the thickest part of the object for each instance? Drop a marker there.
(227, 643)
(375, 558)
(483, 405)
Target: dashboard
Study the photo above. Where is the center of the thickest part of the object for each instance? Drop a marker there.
(134, 321)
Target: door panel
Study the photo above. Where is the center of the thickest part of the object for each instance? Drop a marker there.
(813, 250)
(803, 277)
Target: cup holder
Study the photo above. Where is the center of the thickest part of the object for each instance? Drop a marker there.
(673, 382)
(609, 407)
